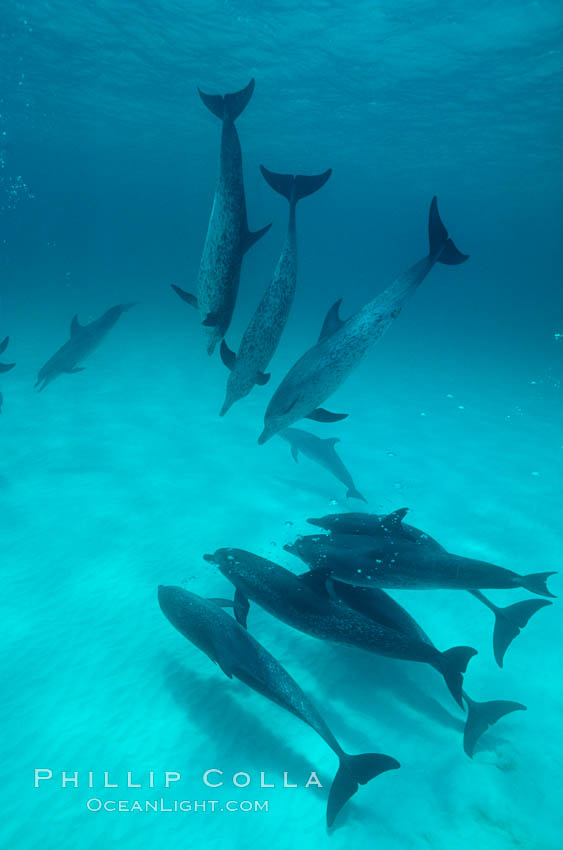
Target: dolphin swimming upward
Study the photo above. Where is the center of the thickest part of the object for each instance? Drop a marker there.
(509, 620)
(228, 237)
(4, 367)
(238, 654)
(264, 331)
(323, 452)
(302, 602)
(83, 340)
(342, 344)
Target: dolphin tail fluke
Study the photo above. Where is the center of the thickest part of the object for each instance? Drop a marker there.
(536, 583)
(5, 367)
(355, 494)
(228, 105)
(481, 715)
(185, 296)
(253, 237)
(352, 772)
(441, 247)
(294, 187)
(509, 621)
(453, 665)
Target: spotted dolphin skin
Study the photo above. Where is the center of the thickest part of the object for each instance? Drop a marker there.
(323, 452)
(303, 603)
(83, 340)
(342, 344)
(4, 367)
(264, 331)
(238, 654)
(228, 237)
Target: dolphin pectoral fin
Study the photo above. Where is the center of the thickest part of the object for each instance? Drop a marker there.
(322, 415)
(332, 322)
(481, 715)
(442, 248)
(185, 296)
(211, 320)
(221, 602)
(295, 454)
(75, 327)
(5, 367)
(352, 772)
(4, 344)
(252, 238)
(262, 378)
(75, 370)
(242, 607)
(228, 357)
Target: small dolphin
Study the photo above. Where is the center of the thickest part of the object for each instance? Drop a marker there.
(323, 452)
(395, 561)
(83, 340)
(238, 654)
(509, 621)
(4, 367)
(379, 606)
(228, 237)
(264, 331)
(296, 600)
(342, 344)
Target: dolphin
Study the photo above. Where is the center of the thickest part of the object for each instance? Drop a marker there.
(238, 654)
(323, 452)
(375, 604)
(4, 367)
(228, 237)
(395, 561)
(83, 340)
(265, 329)
(509, 621)
(342, 344)
(289, 598)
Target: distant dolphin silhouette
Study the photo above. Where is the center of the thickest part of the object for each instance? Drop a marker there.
(382, 608)
(83, 340)
(228, 237)
(4, 367)
(323, 452)
(265, 329)
(302, 602)
(238, 654)
(509, 621)
(342, 344)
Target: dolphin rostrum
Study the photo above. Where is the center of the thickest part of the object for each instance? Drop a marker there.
(395, 561)
(238, 654)
(83, 340)
(4, 367)
(265, 329)
(379, 606)
(228, 237)
(323, 452)
(297, 601)
(509, 620)
(342, 344)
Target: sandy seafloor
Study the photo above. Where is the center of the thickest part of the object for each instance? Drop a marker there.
(119, 479)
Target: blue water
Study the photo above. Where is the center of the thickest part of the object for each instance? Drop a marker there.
(120, 478)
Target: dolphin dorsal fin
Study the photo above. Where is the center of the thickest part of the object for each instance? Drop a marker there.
(332, 322)
(394, 519)
(75, 326)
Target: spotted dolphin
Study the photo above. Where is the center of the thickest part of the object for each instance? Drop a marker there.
(4, 367)
(509, 620)
(323, 452)
(296, 601)
(83, 340)
(377, 605)
(228, 237)
(342, 344)
(238, 654)
(265, 329)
